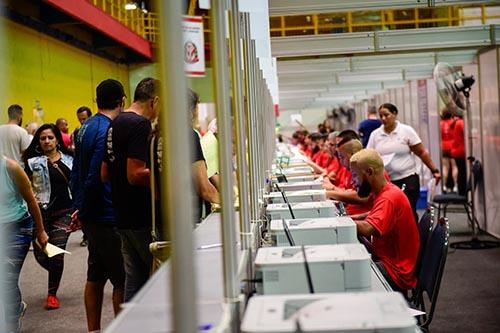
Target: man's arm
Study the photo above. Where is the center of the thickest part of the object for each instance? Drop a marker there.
(316, 168)
(364, 228)
(105, 172)
(203, 187)
(215, 180)
(137, 173)
(23, 184)
(347, 196)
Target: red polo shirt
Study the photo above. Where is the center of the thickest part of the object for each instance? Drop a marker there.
(396, 240)
(353, 209)
(324, 160)
(333, 166)
(344, 179)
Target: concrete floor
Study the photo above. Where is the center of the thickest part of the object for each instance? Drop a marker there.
(70, 317)
(469, 298)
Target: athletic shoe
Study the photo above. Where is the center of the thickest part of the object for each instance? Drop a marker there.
(52, 303)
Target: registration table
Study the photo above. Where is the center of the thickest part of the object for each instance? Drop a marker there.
(151, 310)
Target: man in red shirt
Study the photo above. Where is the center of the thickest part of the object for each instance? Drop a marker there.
(346, 192)
(390, 222)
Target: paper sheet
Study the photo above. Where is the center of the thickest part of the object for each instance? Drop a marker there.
(210, 151)
(52, 250)
(415, 312)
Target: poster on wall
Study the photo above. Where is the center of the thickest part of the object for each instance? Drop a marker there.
(422, 101)
(194, 46)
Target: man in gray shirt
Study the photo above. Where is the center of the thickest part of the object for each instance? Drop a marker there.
(13, 138)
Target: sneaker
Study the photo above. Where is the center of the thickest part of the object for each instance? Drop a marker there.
(455, 189)
(52, 303)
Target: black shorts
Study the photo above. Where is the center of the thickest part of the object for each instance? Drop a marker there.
(105, 256)
(446, 153)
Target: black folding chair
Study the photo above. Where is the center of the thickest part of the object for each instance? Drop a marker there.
(442, 201)
(432, 267)
(424, 229)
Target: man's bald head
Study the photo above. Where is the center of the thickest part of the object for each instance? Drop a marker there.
(351, 147)
(366, 159)
(347, 150)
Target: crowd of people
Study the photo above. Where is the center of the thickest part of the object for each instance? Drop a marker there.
(453, 152)
(97, 179)
(374, 172)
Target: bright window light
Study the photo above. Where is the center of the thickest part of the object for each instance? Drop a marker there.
(130, 6)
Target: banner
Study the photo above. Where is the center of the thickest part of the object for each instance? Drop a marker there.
(194, 46)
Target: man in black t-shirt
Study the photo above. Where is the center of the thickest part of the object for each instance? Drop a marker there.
(125, 165)
(204, 188)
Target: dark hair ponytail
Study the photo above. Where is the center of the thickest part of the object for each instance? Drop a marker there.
(391, 107)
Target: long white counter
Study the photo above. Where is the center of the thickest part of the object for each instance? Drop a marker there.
(150, 310)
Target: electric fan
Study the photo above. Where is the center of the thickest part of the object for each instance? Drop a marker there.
(453, 88)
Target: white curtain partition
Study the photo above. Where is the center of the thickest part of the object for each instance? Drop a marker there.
(489, 67)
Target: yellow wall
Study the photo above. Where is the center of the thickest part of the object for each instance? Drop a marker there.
(60, 76)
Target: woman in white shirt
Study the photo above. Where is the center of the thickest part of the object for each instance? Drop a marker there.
(397, 143)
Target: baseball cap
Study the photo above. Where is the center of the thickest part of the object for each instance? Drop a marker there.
(108, 92)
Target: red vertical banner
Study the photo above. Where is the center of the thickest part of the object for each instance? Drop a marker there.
(276, 110)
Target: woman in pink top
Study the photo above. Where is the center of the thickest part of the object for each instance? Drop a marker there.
(446, 146)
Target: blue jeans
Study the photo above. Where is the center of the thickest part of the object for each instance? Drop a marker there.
(16, 238)
(137, 260)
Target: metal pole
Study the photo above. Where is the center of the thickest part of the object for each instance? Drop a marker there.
(251, 106)
(258, 129)
(262, 133)
(221, 83)
(239, 119)
(175, 135)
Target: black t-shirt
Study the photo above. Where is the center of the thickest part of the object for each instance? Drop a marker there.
(128, 137)
(197, 155)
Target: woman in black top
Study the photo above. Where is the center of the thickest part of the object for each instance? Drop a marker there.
(48, 163)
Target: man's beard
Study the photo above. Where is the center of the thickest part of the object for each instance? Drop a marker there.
(364, 189)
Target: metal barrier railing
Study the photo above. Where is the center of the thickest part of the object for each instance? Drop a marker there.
(142, 22)
(358, 21)
(145, 23)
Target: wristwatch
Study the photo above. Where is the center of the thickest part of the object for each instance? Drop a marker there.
(435, 171)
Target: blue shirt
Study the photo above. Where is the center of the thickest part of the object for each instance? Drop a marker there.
(366, 127)
(91, 196)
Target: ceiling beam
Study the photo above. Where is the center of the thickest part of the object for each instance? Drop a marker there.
(372, 62)
(378, 42)
(300, 7)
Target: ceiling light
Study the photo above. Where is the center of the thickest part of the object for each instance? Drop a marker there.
(130, 6)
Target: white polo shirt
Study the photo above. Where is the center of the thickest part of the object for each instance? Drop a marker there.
(394, 148)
